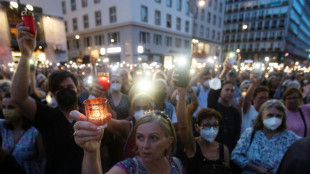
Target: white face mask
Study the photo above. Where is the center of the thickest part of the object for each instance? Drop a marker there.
(177, 97)
(115, 86)
(272, 123)
(206, 83)
(209, 134)
(139, 114)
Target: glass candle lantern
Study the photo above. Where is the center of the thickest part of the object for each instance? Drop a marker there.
(96, 111)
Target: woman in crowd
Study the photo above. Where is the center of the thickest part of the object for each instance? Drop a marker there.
(204, 155)
(298, 117)
(119, 102)
(20, 139)
(261, 149)
(155, 141)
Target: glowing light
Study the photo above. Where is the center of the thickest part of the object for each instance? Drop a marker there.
(114, 50)
(201, 3)
(238, 50)
(244, 27)
(144, 85)
(77, 36)
(102, 51)
(140, 49)
(29, 7)
(14, 4)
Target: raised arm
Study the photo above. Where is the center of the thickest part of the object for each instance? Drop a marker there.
(26, 42)
(248, 97)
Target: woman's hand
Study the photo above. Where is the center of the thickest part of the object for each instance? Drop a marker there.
(261, 170)
(86, 134)
(26, 40)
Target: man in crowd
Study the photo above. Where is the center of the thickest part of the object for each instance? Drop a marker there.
(62, 154)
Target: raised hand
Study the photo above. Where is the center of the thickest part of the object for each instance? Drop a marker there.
(26, 40)
(86, 134)
(98, 91)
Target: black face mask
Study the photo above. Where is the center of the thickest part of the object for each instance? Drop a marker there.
(66, 98)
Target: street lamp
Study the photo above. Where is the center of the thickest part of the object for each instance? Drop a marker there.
(238, 50)
(244, 26)
(201, 3)
(14, 4)
(77, 37)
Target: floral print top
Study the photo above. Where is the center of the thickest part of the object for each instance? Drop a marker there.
(129, 166)
(262, 152)
(25, 151)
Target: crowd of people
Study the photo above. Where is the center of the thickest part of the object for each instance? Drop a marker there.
(228, 122)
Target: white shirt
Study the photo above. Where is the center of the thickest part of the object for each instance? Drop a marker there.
(248, 118)
(202, 97)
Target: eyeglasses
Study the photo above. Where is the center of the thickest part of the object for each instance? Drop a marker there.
(207, 126)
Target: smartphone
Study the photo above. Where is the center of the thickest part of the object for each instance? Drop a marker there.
(28, 20)
(182, 68)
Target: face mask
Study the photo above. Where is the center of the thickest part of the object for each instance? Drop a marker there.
(10, 115)
(272, 123)
(115, 86)
(206, 83)
(177, 97)
(139, 114)
(209, 134)
(66, 98)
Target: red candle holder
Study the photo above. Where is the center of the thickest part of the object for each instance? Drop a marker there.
(96, 111)
(104, 81)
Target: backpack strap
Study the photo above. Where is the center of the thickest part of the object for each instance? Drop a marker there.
(304, 120)
(252, 137)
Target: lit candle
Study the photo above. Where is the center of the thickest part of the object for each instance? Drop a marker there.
(96, 111)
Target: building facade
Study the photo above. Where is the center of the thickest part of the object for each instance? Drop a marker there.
(115, 29)
(278, 29)
(51, 38)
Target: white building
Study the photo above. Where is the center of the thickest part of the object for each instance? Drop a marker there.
(51, 38)
(118, 27)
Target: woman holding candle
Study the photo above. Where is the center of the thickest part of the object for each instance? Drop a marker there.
(155, 141)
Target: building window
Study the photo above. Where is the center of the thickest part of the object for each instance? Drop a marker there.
(195, 29)
(178, 42)
(213, 34)
(85, 21)
(144, 16)
(66, 27)
(186, 26)
(207, 33)
(168, 41)
(209, 17)
(158, 1)
(169, 3)
(210, 3)
(73, 5)
(68, 44)
(96, 1)
(202, 29)
(187, 7)
(168, 21)
(202, 15)
(221, 7)
(84, 3)
(186, 44)
(87, 42)
(99, 40)
(113, 38)
(220, 22)
(215, 4)
(144, 37)
(157, 39)
(98, 18)
(157, 17)
(74, 24)
(179, 5)
(218, 36)
(214, 19)
(112, 12)
(178, 24)
(76, 44)
(63, 5)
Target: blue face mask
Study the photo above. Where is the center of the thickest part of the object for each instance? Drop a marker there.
(209, 134)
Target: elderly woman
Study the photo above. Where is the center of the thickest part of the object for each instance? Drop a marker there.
(155, 140)
(298, 117)
(261, 148)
